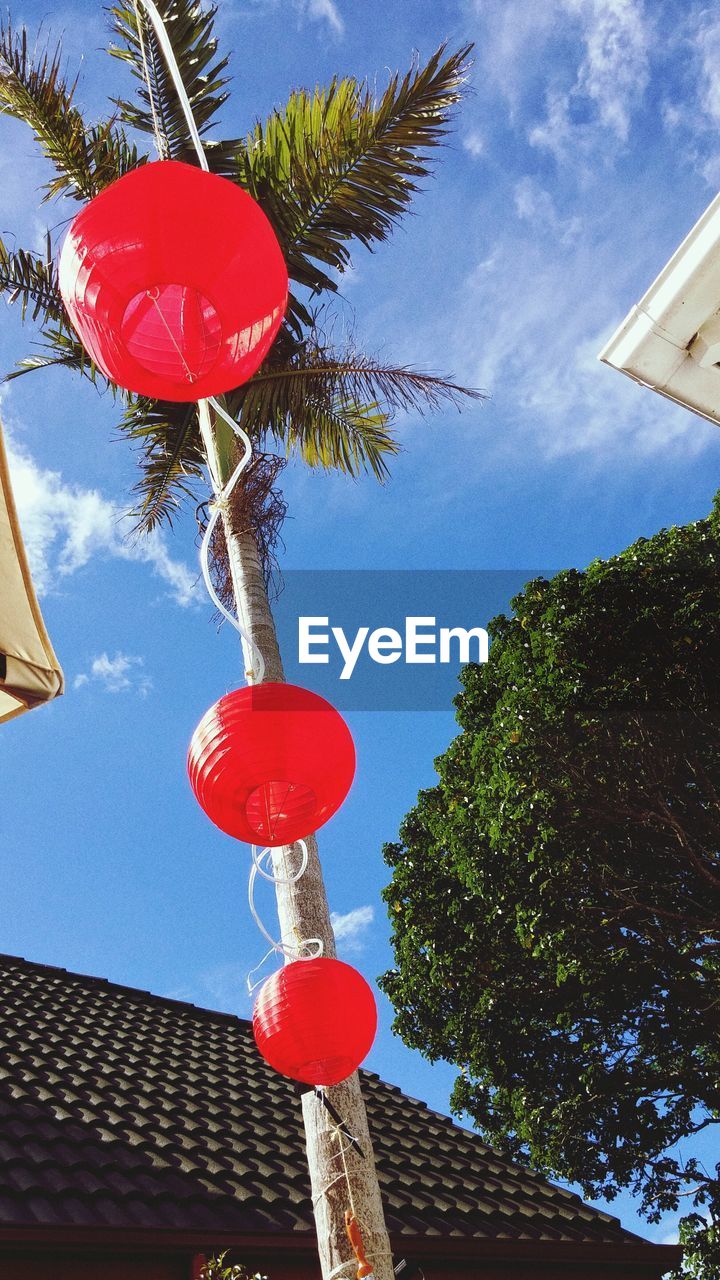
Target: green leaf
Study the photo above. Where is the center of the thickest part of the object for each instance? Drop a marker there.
(190, 30)
(337, 165)
(337, 411)
(32, 281)
(33, 89)
(171, 457)
(62, 350)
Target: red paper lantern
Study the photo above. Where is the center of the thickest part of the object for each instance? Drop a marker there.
(174, 281)
(271, 763)
(315, 1020)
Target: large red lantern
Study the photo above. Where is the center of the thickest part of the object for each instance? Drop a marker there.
(271, 763)
(174, 281)
(315, 1020)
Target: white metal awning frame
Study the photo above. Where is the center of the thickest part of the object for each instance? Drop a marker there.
(670, 341)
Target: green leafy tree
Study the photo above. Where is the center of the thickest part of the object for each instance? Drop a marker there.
(218, 1268)
(336, 167)
(556, 897)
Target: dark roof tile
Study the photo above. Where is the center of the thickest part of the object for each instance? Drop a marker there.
(123, 1109)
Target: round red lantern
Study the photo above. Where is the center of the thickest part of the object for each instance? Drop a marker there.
(174, 281)
(315, 1020)
(271, 763)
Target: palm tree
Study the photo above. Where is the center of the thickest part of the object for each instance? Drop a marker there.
(333, 167)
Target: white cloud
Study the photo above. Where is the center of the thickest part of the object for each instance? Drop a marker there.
(707, 49)
(691, 118)
(535, 314)
(509, 40)
(327, 11)
(350, 927)
(591, 92)
(65, 525)
(116, 675)
(614, 71)
(224, 986)
(592, 54)
(474, 144)
(314, 10)
(535, 205)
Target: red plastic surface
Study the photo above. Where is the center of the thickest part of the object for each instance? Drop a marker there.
(271, 763)
(315, 1020)
(174, 281)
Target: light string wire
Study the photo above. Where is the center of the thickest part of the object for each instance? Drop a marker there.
(306, 948)
(164, 41)
(255, 669)
(160, 143)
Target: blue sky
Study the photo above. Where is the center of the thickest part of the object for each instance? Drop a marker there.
(586, 150)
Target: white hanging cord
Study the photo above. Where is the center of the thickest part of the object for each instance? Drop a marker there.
(343, 1148)
(266, 855)
(160, 142)
(254, 661)
(305, 948)
(167, 49)
(337, 1135)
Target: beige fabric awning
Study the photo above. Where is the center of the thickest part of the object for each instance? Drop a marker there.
(29, 670)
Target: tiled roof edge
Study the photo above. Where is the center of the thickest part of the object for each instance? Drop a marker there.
(93, 980)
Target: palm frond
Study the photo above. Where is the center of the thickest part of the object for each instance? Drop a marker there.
(337, 412)
(171, 459)
(190, 30)
(34, 89)
(61, 349)
(337, 165)
(32, 281)
(110, 153)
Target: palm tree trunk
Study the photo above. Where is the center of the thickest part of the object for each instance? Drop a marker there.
(303, 913)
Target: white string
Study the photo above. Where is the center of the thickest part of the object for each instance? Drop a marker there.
(159, 140)
(307, 948)
(266, 854)
(254, 661)
(257, 668)
(337, 1133)
(165, 45)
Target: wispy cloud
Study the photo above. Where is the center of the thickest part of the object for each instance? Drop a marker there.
(614, 71)
(535, 205)
(474, 144)
(326, 11)
(351, 926)
(691, 102)
(589, 60)
(120, 674)
(564, 249)
(529, 331)
(611, 76)
(222, 986)
(65, 525)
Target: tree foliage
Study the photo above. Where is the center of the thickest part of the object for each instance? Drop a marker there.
(218, 1268)
(333, 168)
(556, 897)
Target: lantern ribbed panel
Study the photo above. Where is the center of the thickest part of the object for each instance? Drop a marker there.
(315, 1020)
(174, 281)
(271, 763)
